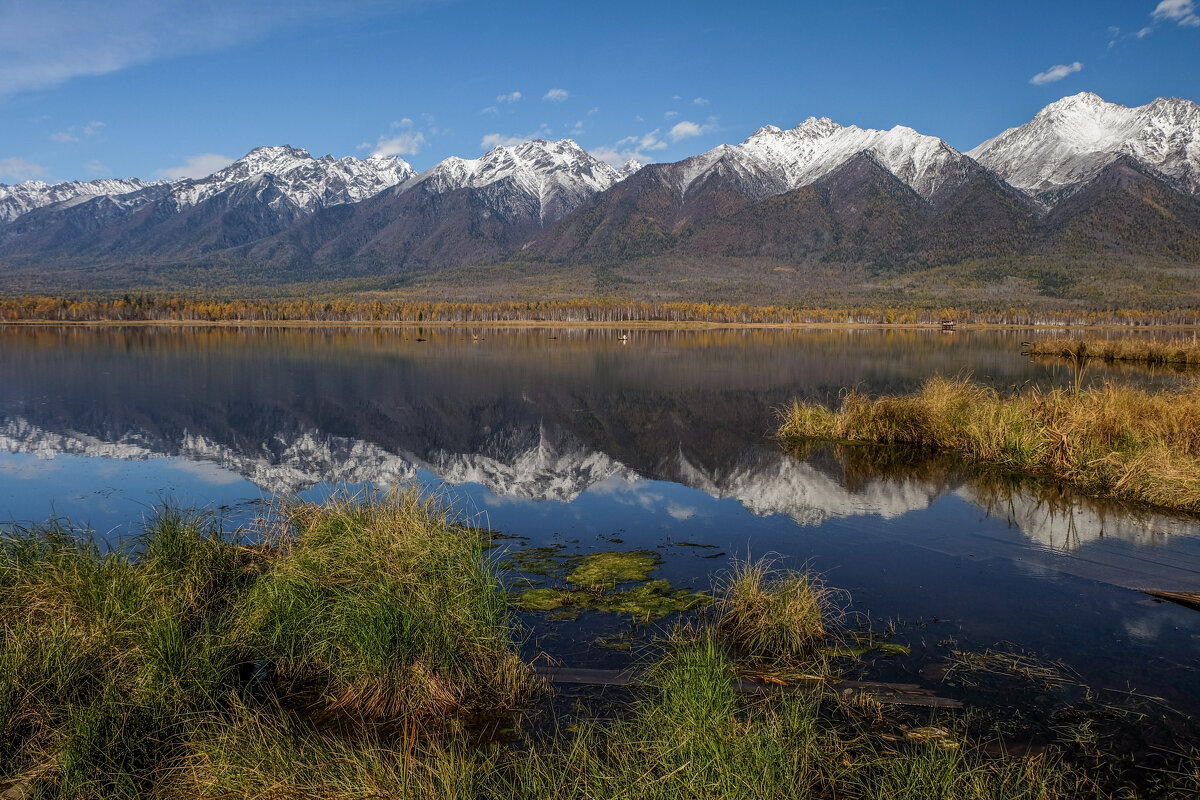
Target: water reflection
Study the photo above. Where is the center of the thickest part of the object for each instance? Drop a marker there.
(572, 437)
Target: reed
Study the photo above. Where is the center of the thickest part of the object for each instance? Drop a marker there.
(1169, 352)
(1108, 441)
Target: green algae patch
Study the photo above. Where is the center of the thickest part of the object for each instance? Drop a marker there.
(547, 562)
(589, 583)
(606, 570)
(651, 600)
(543, 599)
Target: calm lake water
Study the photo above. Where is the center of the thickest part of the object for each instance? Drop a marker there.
(574, 437)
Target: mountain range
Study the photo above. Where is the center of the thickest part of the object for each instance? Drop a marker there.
(1083, 180)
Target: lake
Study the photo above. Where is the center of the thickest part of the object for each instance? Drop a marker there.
(577, 438)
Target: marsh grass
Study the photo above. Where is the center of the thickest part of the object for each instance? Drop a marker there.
(1109, 441)
(375, 611)
(370, 612)
(774, 619)
(341, 660)
(1165, 352)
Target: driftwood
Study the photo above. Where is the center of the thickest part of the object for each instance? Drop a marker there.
(904, 694)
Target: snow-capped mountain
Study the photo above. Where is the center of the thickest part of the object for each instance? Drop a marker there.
(1070, 141)
(782, 160)
(24, 197)
(309, 183)
(557, 176)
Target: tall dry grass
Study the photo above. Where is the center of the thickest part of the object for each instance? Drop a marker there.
(1184, 352)
(1109, 441)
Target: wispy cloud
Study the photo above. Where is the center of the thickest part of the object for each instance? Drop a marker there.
(400, 140)
(493, 110)
(97, 168)
(687, 129)
(647, 141)
(699, 101)
(74, 134)
(493, 140)
(1055, 73)
(45, 44)
(1181, 12)
(511, 97)
(18, 169)
(636, 148)
(197, 166)
(593, 111)
(403, 144)
(556, 95)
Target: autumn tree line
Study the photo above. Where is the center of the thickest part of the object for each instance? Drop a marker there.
(148, 308)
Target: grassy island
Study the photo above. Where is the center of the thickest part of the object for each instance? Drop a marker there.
(365, 649)
(1164, 352)
(1109, 441)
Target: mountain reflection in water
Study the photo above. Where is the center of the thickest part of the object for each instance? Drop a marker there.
(574, 437)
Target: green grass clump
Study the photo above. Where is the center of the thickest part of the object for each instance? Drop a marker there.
(1109, 441)
(103, 659)
(384, 610)
(773, 617)
(120, 667)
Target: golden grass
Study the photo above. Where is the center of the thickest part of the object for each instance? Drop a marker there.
(773, 617)
(1184, 352)
(1109, 441)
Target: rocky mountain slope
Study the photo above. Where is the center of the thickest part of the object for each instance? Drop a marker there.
(1084, 178)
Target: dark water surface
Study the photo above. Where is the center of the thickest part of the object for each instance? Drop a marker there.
(577, 438)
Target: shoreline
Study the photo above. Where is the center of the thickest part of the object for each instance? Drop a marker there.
(649, 325)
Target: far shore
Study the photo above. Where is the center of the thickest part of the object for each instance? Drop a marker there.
(682, 325)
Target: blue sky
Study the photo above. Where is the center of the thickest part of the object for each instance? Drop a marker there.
(179, 87)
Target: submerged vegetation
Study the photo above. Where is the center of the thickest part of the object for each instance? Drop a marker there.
(364, 649)
(1165, 352)
(1109, 441)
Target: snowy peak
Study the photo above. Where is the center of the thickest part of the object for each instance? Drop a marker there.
(24, 197)
(1071, 140)
(310, 183)
(558, 176)
(783, 160)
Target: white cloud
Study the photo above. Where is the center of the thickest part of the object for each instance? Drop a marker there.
(18, 169)
(556, 95)
(687, 129)
(1055, 73)
(490, 110)
(593, 111)
(493, 140)
(1181, 12)
(403, 144)
(511, 97)
(577, 128)
(95, 167)
(671, 115)
(72, 134)
(699, 101)
(1144, 32)
(197, 166)
(649, 141)
(637, 148)
(45, 44)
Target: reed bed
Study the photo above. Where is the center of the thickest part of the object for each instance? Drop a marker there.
(351, 658)
(1166, 352)
(1109, 441)
(366, 613)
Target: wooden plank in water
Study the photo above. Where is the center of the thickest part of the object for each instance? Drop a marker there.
(908, 694)
(1189, 599)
